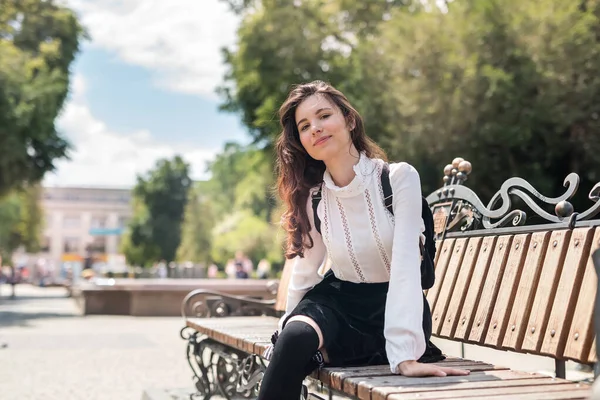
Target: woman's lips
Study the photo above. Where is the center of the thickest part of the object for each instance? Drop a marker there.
(321, 140)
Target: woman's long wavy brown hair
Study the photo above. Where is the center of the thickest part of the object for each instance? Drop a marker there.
(299, 172)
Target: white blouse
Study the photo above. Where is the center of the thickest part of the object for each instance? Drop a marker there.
(365, 244)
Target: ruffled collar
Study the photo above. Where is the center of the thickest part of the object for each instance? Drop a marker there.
(365, 169)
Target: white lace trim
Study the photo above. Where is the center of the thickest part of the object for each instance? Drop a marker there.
(375, 230)
(348, 238)
(326, 234)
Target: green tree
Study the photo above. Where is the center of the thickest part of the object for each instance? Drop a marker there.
(281, 43)
(242, 178)
(196, 230)
(513, 86)
(246, 232)
(38, 42)
(227, 206)
(159, 203)
(20, 221)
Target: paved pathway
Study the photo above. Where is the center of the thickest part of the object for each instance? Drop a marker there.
(48, 351)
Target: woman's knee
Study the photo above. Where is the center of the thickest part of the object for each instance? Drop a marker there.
(310, 322)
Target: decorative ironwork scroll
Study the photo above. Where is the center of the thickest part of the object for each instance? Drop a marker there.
(221, 370)
(202, 303)
(456, 207)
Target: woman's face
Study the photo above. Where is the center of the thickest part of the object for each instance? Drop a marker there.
(323, 129)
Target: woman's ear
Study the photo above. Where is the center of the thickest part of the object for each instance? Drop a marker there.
(351, 123)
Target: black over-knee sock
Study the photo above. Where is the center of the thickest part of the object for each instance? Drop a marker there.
(283, 378)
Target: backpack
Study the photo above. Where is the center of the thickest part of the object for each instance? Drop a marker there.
(427, 249)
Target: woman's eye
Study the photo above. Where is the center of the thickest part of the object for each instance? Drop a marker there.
(325, 116)
(303, 128)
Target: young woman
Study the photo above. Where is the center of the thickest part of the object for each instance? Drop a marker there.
(368, 309)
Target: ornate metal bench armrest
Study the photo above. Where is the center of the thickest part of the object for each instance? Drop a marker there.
(211, 303)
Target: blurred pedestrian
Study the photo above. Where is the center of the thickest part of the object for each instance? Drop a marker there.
(239, 271)
(240, 257)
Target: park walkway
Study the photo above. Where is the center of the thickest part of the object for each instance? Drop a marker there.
(49, 352)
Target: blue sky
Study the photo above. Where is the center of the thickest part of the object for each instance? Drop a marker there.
(125, 97)
(143, 89)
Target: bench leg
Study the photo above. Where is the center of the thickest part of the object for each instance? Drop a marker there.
(200, 361)
(222, 370)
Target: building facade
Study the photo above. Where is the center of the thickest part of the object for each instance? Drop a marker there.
(83, 222)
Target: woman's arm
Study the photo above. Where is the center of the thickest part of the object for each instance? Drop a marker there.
(403, 331)
(304, 272)
(405, 339)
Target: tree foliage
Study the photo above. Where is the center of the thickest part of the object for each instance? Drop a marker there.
(20, 221)
(159, 197)
(511, 85)
(196, 230)
(38, 42)
(243, 231)
(233, 210)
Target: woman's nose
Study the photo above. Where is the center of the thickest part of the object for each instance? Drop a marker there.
(316, 129)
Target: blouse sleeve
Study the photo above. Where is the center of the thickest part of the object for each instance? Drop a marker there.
(305, 270)
(403, 330)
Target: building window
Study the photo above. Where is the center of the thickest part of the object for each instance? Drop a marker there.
(71, 245)
(98, 222)
(98, 245)
(71, 221)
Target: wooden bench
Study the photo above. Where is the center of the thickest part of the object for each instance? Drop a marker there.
(499, 283)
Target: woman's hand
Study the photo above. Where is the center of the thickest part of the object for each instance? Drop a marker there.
(415, 368)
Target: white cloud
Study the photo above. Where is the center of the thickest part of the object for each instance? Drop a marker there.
(102, 157)
(178, 40)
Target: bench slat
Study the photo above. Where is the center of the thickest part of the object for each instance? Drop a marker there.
(326, 375)
(368, 387)
(544, 295)
(458, 294)
(525, 387)
(339, 379)
(475, 287)
(527, 287)
(509, 283)
(570, 394)
(565, 300)
(351, 386)
(440, 270)
(438, 245)
(581, 334)
(592, 357)
(441, 304)
(490, 289)
(434, 390)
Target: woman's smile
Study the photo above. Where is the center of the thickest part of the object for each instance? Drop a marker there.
(322, 140)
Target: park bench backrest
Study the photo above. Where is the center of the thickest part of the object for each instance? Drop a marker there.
(525, 292)
(509, 286)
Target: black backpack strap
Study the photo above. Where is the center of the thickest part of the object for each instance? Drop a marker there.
(388, 195)
(316, 198)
